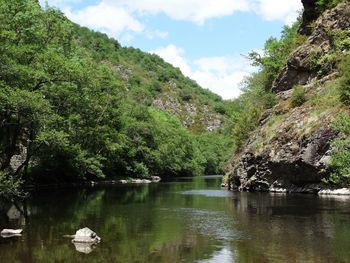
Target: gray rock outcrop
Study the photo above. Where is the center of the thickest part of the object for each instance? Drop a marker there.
(299, 69)
(290, 151)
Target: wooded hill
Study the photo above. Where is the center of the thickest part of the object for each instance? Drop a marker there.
(76, 105)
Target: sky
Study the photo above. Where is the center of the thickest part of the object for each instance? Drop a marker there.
(206, 39)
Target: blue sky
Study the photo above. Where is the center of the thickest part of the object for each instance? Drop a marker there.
(204, 38)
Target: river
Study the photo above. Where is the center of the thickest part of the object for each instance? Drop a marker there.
(187, 220)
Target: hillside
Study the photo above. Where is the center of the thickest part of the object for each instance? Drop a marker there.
(153, 82)
(75, 105)
(300, 143)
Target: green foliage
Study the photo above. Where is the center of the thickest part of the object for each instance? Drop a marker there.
(215, 150)
(298, 96)
(246, 111)
(342, 123)
(249, 108)
(344, 83)
(10, 187)
(276, 53)
(81, 104)
(341, 151)
(327, 4)
(341, 162)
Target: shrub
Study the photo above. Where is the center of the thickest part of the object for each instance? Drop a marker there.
(344, 87)
(298, 96)
(341, 152)
(342, 123)
(10, 187)
(341, 162)
(326, 4)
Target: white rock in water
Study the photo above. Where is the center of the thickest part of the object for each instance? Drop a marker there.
(86, 235)
(341, 191)
(156, 179)
(11, 232)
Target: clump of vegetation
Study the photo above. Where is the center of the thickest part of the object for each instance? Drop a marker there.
(246, 111)
(276, 53)
(10, 187)
(344, 82)
(341, 162)
(327, 4)
(298, 96)
(81, 105)
(341, 151)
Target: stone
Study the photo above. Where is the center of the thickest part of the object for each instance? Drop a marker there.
(340, 191)
(310, 14)
(141, 181)
(155, 179)
(86, 235)
(6, 233)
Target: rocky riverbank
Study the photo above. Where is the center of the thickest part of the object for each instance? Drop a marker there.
(291, 149)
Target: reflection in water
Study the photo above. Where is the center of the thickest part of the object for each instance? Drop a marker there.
(185, 221)
(85, 248)
(210, 193)
(223, 255)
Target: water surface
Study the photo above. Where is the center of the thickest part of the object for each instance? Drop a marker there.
(188, 220)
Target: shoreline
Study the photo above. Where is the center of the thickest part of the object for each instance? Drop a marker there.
(308, 189)
(91, 183)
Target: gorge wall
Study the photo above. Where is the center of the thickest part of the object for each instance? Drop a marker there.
(291, 149)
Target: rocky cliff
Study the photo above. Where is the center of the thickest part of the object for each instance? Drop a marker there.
(291, 149)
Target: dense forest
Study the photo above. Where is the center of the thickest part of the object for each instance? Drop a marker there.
(76, 105)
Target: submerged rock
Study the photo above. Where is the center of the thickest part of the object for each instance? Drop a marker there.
(86, 235)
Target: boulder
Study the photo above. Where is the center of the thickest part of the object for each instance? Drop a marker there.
(155, 179)
(11, 233)
(86, 235)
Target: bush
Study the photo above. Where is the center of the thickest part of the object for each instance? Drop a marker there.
(10, 187)
(326, 4)
(298, 96)
(341, 162)
(344, 87)
(342, 123)
(341, 152)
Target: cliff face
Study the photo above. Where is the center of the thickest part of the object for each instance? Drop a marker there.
(291, 149)
(300, 67)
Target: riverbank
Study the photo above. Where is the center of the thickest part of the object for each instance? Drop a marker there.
(148, 180)
(316, 189)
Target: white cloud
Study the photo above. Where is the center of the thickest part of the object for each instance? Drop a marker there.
(111, 20)
(191, 10)
(174, 56)
(286, 10)
(117, 17)
(158, 34)
(221, 75)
